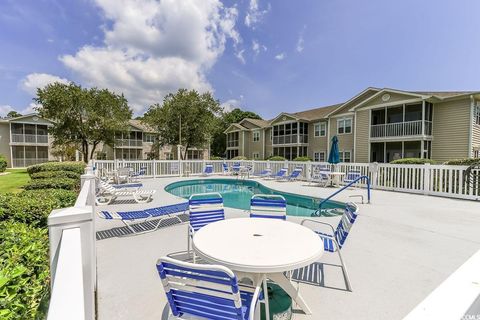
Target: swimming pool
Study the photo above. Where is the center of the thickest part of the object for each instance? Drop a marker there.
(237, 194)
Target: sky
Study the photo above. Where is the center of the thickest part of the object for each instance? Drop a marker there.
(263, 56)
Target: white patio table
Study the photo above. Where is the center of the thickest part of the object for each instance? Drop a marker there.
(260, 248)
(336, 177)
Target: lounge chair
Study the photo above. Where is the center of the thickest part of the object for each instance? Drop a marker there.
(134, 175)
(334, 240)
(293, 176)
(225, 168)
(268, 206)
(202, 291)
(235, 168)
(208, 170)
(281, 173)
(134, 217)
(122, 175)
(351, 176)
(321, 177)
(204, 208)
(264, 173)
(108, 193)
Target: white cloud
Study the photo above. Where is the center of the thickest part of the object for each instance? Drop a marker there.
(240, 56)
(39, 80)
(301, 41)
(257, 47)
(255, 14)
(281, 56)
(154, 47)
(231, 104)
(4, 109)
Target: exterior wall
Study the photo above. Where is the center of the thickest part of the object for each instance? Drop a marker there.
(245, 143)
(5, 142)
(394, 97)
(451, 126)
(268, 143)
(256, 147)
(475, 133)
(317, 144)
(362, 136)
(345, 141)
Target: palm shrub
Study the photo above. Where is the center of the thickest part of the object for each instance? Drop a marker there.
(24, 270)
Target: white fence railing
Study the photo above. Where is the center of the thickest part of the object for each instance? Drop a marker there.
(399, 129)
(73, 256)
(440, 180)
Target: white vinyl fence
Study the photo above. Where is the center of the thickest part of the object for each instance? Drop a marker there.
(439, 180)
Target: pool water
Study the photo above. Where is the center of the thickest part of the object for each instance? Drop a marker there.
(237, 194)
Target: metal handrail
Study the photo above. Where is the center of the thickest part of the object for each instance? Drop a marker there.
(317, 212)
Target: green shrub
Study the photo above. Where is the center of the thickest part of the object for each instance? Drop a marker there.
(463, 162)
(276, 158)
(302, 159)
(216, 158)
(412, 161)
(240, 158)
(24, 270)
(78, 167)
(34, 206)
(61, 183)
(55, 174)
(3, 163)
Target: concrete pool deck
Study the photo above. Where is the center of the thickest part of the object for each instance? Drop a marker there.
(400, 249)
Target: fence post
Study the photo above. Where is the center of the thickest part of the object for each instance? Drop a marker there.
(180, 167)
(373, 168)
(154, 169)
(426, 178)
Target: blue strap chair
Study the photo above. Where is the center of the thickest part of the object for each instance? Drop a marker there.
(268, 206)
(293, 176)
(204, 208)
(236, 168)
(208, 170)
(281, 173)
(202, 291)
(225, 168)
(137, 174)
(264, 173)
(333, 241)
(352, 176)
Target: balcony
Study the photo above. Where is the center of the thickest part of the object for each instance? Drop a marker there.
(232, 144)
(29, 138)
(128, 143)
(23, 163)
(290, 139)
(401, 129)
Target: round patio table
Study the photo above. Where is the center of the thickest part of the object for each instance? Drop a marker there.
(263, 248)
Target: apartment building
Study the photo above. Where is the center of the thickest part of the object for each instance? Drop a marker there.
(379, 125)
(25, 141)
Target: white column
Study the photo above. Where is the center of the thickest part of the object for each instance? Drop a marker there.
(423, 120)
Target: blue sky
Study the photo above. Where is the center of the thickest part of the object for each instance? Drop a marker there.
(264, 56)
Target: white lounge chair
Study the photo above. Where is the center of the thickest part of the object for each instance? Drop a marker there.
(108, 194)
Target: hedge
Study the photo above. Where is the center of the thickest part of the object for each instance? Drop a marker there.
(53, 183)
(463, 162)
(216, 158)
(276, 158)
(3, 163)
(55, 174)
(34, 206)
(78, 167)
(302, 159)
(24, 271)
(240, 158)
(412, 161)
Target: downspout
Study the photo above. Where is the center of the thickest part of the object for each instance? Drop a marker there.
(263, 143)
(328, 138)
(470, 129)
(355, 137)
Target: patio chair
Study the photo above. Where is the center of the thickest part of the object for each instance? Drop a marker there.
(264, 173)
(204, 208)
(122, 175)
(134, 175)
(235, 168)
(268, 206)
(109, 193)
(129, 218)
(202, 291)
(208, 170)
(293, 176)
(321, 177)
(281, 173)
(351, 176)
(225, 168)
(335, 239)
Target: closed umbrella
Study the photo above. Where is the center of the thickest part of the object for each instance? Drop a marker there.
(334, 156)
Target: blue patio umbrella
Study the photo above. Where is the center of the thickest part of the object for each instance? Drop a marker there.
(334, 156)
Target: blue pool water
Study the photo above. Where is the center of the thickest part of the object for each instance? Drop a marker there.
(237, 194)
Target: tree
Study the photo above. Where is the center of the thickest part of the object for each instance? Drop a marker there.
(13, 114)
(83, 117)
(185, 118)
(218, 145)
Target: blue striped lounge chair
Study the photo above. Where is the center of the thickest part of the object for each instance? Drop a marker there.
(202, 291)
(292, 176)
(204, 208)
(129, 218)
(225, 168)
(134, 175)
(335, 238)
(351, 176)
(270, 206)
(281, 173)
(235, 168)
(108, 193)
(208, 170)
(264, 173)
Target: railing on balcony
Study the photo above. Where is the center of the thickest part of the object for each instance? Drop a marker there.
(400, 129)
(29, 138)
(290, 139)
(128, 143)
(232, 144)
(22, 162)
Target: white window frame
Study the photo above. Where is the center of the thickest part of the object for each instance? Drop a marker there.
(256, 136)
(342, 155)
(341, 124)
(318, 159)
(476, 114)
(320, 125)
(255, 155)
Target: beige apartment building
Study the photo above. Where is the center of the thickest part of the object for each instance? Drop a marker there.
(379, 125)
(25, 141)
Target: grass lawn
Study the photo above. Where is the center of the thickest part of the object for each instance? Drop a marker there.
(14, 180)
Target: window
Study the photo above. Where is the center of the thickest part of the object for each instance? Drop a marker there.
(319, 156)
(476, 153)
(255, 155)
(292, 132)
(344, 126)
(345, 156)
(232, 139)
(290, 153)
(477, 114)
(320, 129)
(148, 137)
(256, 136)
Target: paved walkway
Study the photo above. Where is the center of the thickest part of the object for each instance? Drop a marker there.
(401, 247)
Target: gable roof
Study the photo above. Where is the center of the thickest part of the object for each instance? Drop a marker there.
(317, 113)
(139, 124)
(258, 122)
